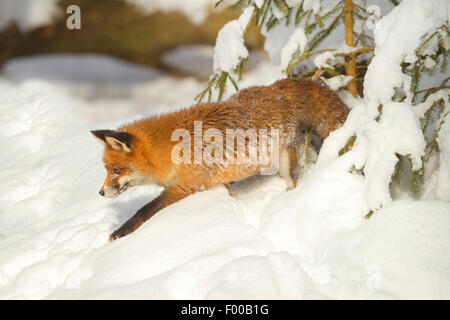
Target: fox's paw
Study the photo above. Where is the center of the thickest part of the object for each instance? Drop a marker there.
(127, 228)
(113, 236)
(119, 233)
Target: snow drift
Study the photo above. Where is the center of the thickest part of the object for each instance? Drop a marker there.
(311, 242)
(308, 243)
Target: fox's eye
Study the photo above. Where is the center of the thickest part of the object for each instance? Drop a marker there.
(116, 170)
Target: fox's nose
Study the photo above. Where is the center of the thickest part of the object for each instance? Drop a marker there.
(102, 193)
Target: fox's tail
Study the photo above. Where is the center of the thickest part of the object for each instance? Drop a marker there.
(318, 108)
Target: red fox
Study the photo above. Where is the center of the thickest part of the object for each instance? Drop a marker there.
(142, 152)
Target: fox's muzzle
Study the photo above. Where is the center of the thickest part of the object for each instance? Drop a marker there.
(110, 191)
(114, 190)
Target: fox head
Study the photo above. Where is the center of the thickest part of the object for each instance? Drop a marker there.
(120, 162)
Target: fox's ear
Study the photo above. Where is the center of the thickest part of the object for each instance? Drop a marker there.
(100, 135)
(117, 140)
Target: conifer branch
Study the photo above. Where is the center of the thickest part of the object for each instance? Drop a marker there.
(433, 89)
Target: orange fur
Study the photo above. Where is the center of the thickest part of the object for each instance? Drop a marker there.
(291, 106)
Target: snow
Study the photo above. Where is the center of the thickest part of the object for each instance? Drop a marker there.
(276, 11)
(312, 242)
(261, 243)
(295, 46)
(337, 82)
(396, 130)
(192, 59)
(293, 3)
(429, 63)
(230, 49)
(259, 3)
(198, 60)
(397, 36)
(322, 59)
(313, 5)
(443, 180)
(93, 68)
(403, 261)
(276, 39)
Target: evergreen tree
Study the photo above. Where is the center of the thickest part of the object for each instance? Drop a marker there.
(314, 23)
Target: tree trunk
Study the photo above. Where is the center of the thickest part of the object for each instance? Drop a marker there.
(350, 65)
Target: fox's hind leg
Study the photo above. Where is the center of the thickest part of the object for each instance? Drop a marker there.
(289, 165)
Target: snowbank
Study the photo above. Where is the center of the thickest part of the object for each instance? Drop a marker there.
(310, 242)
(85, 68)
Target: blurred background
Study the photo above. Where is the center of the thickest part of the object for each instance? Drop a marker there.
(109, 51)
(139, 31)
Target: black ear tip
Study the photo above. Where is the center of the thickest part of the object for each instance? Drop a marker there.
(97, 133)
(120, 136)
(100, 134)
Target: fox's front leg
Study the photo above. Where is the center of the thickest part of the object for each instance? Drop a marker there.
(166, 198)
